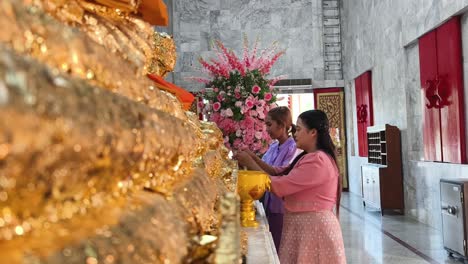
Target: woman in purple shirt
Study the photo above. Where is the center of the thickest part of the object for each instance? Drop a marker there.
(279, 154)
(311, 189)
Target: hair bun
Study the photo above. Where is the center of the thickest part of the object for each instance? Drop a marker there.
(323, 127)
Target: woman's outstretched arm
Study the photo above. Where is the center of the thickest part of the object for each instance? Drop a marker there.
(252, 162)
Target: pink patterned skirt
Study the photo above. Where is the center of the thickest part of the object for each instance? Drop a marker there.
(311, 237)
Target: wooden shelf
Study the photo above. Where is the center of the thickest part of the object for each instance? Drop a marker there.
(382, 178)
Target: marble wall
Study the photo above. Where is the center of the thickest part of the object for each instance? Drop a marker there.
(382, 36)
(295, 24)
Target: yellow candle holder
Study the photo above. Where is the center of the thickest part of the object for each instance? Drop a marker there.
(251, 185)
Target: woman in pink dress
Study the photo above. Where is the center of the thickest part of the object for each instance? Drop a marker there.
(311, 190)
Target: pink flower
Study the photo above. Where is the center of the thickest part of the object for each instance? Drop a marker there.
(260, 114)
(256, 89)
(268, 96)
(229, 112)
(258, 135)
(238, 133)
(238, 103)
(259, 124)
(237, 143)
(248, 137)
(256, 146)
(243, 146)
(200, 104)
(261, 103)
(215, 117)
(248, 123)
(227, 126)
(220, 97)
(215, 90)
(216, 106)
(250, 102)
(237, 89)
(237, 95)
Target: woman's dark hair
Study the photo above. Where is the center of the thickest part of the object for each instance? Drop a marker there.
(317, 119)
(293, 163)
(282, 115)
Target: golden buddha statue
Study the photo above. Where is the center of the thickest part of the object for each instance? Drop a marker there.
(97, 164)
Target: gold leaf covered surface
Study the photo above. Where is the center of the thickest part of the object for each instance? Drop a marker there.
(101, 54)
(75, 157)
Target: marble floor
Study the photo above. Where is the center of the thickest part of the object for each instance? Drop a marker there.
(372, 238)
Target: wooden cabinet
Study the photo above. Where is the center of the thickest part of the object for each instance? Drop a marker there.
(382, 177)
(377, 144)
(371, 186)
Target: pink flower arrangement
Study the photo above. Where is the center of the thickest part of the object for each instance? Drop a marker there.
(240, 95)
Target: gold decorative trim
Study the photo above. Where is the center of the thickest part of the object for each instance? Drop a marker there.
(332, 103)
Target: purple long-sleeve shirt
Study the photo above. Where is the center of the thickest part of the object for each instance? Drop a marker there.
(278, 156)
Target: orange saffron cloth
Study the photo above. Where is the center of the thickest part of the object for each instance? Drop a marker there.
(154, 12)
(185, 97)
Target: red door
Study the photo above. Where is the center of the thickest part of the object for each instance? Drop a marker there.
(450, 75)
(361, 131)
(364, 109)
(440, 57)
(367, 97)
(431, 122)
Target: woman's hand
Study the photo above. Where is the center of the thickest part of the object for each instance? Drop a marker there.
(250, 153)
(243, 158)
